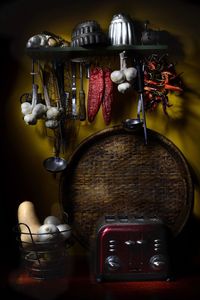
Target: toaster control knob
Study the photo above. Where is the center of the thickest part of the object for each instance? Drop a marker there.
(158, 262)
(112, 262)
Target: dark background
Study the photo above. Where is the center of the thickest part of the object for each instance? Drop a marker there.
(186, 245)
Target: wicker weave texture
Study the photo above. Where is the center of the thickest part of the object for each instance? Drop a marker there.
(114, 172)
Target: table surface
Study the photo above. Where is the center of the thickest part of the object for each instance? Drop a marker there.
(79, 283)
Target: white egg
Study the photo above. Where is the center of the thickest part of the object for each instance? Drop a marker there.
(65, 230)
(47, 233)
(52, 220)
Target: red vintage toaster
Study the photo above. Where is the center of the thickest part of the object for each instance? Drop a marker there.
(131, 249)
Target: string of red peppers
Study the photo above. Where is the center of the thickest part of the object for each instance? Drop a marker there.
(160, 78)
(100, 92)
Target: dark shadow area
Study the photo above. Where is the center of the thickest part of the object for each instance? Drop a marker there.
(194, 2)
(185, 250)
(10, 171)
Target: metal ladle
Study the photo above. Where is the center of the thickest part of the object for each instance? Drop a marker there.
(132, 124)
(136, 124)
(56, 164)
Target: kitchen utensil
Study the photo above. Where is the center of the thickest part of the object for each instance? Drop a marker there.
(46, 39)
(121, 30)
(82, 110)
(149, 36)
(55, 164)
(140, 87)
(67, 104)
(43, 259)
(74, 110)
(87, 70)
(87, 33)
(132, 124)
(59, 77)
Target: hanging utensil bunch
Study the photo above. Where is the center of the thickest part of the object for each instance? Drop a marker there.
(53, 107)
(71, 87)
(32, 111)
(63, 91)
(82, 109)
(56, 104)
(48, 109)
(54, 95)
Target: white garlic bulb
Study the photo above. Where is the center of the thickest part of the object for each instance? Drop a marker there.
(123, 87)
(53, 113)
(39, 110)
(52, 124)
(26, 108)
(117, 76)
(130, 73)
(30, 119)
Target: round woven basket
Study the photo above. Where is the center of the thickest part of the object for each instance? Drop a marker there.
(114, 173)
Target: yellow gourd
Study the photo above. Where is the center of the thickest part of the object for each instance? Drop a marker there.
(27, 215)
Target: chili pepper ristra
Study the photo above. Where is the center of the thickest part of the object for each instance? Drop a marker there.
(95, 92)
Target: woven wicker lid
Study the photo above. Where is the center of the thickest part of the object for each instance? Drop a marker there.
(114, 173)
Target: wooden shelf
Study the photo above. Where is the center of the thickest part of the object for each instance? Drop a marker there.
(58, 53)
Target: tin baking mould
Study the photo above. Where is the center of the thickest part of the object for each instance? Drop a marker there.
(121, 30)
(87, 33)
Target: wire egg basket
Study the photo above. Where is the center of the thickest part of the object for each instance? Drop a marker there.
(43, 257)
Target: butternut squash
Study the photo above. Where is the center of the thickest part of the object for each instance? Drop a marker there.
(28, 216)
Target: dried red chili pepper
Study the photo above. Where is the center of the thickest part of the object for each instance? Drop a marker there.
(95, 92)
(107, 97)
(149, 88)
(173, 88)
(160, 78)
